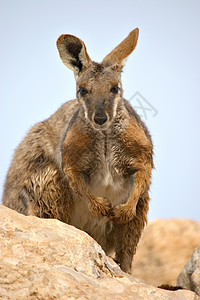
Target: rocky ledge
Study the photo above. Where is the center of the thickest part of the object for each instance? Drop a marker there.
(47, 259)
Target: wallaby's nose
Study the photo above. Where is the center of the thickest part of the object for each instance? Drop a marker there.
(100, 119)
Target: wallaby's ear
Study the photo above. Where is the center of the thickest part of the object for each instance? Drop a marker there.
(118, 55)
(73, 53)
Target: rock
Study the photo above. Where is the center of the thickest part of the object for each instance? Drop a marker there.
(47, 259)
(189, 278)
(163, 250)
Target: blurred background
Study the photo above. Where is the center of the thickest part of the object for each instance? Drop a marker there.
(161, 79)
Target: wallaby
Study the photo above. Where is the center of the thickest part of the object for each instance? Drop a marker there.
(90, 163)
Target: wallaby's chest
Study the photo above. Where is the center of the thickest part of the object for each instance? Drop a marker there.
(108, 179)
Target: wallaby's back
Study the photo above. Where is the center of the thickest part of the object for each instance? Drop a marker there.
(39, 153)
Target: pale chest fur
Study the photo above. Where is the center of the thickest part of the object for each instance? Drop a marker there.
(105, 181)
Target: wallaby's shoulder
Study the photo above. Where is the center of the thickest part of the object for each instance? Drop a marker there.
(133, 114)
(43, 141)
(53, 129)
(63, 114)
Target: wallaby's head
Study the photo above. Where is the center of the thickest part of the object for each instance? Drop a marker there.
(99, 89)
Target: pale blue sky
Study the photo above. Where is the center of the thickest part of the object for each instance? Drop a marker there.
(164, 69)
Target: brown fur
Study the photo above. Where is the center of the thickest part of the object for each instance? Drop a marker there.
(90, 163)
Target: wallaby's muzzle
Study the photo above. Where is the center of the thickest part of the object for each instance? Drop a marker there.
(100, 119)
(100, 113)
(100, 116)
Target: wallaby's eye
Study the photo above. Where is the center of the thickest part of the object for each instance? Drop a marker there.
(115, 89)
(82, 91)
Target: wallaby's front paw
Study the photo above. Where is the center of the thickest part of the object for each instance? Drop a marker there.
(100, 206)
(121, 214)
